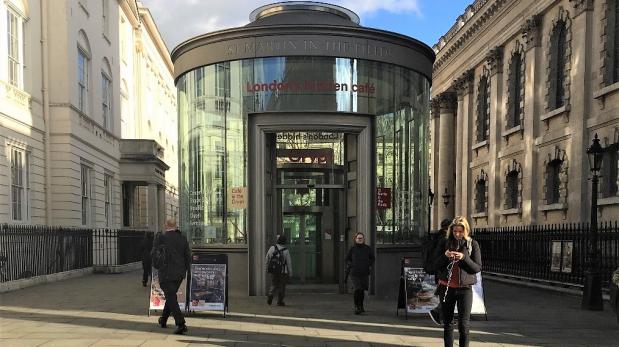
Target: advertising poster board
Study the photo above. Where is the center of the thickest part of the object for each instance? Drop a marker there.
(208, 287)
(209, 282)
(555, 264)
(157, 299)
(420, 288)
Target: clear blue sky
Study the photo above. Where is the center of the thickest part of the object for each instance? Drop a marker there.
(425, 20)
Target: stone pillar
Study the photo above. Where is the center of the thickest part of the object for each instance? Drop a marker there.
(434, 159)
(161, 206)
(495, 61)
(533, 96)
(153, 208)
(579, 197)
(446, 165)
(464, 88)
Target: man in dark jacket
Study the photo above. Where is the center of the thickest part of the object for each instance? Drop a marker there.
(360, 259)
(146, 246)
(171, 276)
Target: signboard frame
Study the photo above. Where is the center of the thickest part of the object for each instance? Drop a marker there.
(217, 261)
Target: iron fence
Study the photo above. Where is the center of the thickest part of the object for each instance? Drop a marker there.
(29, 250)
(554, 253)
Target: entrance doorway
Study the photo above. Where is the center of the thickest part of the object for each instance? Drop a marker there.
(310, 188)
(310, 178)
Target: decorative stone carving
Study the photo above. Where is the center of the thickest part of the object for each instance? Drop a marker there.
(581, 6)
(494, 58)
(531, 32)
(447, 102)
(464, 84)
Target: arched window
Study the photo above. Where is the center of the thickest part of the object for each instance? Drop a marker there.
(480, 194)
(511, 198)
(515, 90)
(557, 65)
(83, 72)
(483, 108)
(553, 181)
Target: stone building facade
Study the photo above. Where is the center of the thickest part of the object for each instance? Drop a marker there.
(520, 88)
(63, 145)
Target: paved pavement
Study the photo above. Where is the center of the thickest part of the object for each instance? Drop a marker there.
(110, 310)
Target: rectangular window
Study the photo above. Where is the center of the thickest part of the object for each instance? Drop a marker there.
(222, 79)
(609, 174)
(20, 184)
(106, 102)
(82, 80)
(107, 184)
(14, 38)
(553, 182)
(86, 194)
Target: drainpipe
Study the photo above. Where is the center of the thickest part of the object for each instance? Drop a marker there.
(46, 120)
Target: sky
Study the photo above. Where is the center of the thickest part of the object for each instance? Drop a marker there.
(425, 20)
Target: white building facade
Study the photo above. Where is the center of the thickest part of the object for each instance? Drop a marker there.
(63, 109)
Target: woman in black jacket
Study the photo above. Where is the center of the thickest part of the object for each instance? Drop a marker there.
(359, 262)
(457, 261)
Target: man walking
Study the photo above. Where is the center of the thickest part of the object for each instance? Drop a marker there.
(279, 265)
(172, 273)
(147, 246)
(360, 259)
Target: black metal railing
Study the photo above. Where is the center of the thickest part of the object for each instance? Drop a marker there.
(554, 253)
(28, 250)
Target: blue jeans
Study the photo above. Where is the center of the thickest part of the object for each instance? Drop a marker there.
(463, 298)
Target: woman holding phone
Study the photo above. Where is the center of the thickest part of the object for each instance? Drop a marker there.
(457, 261)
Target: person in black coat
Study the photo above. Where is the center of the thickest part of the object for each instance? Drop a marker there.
(457, 261)
(146, 247)
(359, 262)
(171, 276)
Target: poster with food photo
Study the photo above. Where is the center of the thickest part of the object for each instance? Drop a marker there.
(157, 298)
(420, 288)
(208, 287)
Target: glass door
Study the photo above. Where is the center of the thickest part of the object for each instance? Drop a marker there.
(303, 233)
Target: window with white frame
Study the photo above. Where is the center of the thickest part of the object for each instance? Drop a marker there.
(83, 63)
(106, 102)
(20, 184)
(15, 48)
(108, 185)
(86, 194)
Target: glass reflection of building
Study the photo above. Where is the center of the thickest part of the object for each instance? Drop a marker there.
(214, 102)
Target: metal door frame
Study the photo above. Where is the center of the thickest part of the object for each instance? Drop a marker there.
(261, 202)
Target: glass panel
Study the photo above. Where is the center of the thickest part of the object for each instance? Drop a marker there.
(213, 104)
(302, 231)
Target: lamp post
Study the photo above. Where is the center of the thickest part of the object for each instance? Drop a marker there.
(592, 292)
(430, 202)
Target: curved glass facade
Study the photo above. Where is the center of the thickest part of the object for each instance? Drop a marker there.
(214, 102)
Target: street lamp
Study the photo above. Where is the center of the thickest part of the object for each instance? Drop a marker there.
(446, 197)
(430, 202)
(592, 292)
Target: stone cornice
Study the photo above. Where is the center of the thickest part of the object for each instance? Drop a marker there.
(531, 32)
(479, 15)
(581, 6)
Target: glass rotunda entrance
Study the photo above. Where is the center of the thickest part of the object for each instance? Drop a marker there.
(291, 125)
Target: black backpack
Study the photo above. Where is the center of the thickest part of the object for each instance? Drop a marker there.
(429, 248)
(277, 262)
(160, 255)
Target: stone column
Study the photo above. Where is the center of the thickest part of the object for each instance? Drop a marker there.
(533, 96)
(579, 188)
(153, 208)
(495, 61)
(161, 206)
(464, 88)
(434, 159)
(446, 173)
